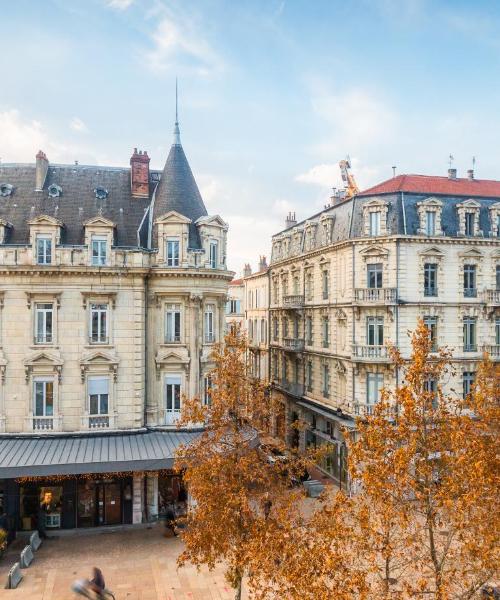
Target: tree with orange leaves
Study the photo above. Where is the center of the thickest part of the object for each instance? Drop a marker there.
(236, 488)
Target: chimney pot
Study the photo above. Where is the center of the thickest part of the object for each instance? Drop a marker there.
(139, 174)
(247, 270)
(41, 169)
(452, 173)
(262, 263)
(291, 220)
(470, 174)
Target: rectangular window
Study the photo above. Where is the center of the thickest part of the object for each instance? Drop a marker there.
(275, 366)
(470, 334)
(296, 327)
(43, 250)
(470, 290)
(326, 283)
(44, 314)
(173, 252)
(468, 379)
(275, 329)
(497, 332)
(497, 278)
(374, 275)
(172, 323)
(98, 323)
(309, 375)
(375, 223)
(213, 254)
(430, 222)
(207, 390)
(309, 285)
(98, 251)
(430, 279)
(44, 398)
(431, 324)
(309, 330)
(469, 223)
(326, 381)
(325, 326)
(374, 385)
(172, 398)
(209, 324)
(430, 386)
(285, 327)
(98, 391)
(375, 331)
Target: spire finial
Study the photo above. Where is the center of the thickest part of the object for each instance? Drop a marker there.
(177, 134)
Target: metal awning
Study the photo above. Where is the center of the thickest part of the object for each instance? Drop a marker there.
(22, 456)
(329, 414)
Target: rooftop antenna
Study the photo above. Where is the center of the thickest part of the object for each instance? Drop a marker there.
(394, 170)
(451, 158)
(473, 162)
(177, 134)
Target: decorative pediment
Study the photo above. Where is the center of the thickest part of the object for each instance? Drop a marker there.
(42, 361)
(170, 358)
(432, 252)
(472, 253)
(99, 221)
(213, 221)
(99, 359)
(470, 203)
(431, 202)
(172, 217)
(104, 296)
(4, 223)
(45, 220)
(374, 251)
(375, 203)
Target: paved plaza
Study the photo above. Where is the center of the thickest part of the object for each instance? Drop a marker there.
(138, 564)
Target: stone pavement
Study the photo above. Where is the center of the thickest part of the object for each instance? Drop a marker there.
(138, 564)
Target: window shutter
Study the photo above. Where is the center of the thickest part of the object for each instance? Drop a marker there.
(98, 385)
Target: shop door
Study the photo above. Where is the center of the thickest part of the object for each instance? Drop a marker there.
(112, 504)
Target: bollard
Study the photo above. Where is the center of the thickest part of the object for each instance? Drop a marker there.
(35, 541)
(313, 488)
(26, 557)
(15, 576)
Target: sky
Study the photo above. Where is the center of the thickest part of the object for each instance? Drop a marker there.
(272, 94)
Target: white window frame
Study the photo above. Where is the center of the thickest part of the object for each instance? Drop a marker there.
(44, 380)
(100, 242)
(375, 217)
(173, 313)
(173, 406)
(41, 313)
(102, 310)
(45, 241)
(213, 249)
(99, 394)
(209, 323)
(375, 326)
(430, 222)
(173, 258)
(374, 385)
(208, 385)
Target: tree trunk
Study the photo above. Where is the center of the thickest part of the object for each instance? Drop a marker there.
(238, 589)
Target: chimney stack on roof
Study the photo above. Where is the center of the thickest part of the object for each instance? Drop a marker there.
(139, 174)
(262, 263)
(247, 270)
(470, 174)
(41, 169)
(291, 220)
(452, 173)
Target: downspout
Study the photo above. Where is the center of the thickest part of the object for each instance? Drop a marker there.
(353, 340)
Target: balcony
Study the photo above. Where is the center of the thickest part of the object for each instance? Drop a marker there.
(35, 423)
(376, 295)
(362, 410)
(98, 421)
(365, 353)
(294, 389)
(293, 344)
(294, 301)
(492, 297)
(493, 351)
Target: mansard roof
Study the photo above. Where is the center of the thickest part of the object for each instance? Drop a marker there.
(77, 203)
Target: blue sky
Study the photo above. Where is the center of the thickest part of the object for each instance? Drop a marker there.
(273, 93)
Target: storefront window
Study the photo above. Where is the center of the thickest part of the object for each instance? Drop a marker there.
(171, 495)
(41, 507)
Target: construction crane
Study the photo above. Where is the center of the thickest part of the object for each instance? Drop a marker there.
(351, 187)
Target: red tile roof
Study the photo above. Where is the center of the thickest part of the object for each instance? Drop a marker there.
(236, 282)
(431, 184)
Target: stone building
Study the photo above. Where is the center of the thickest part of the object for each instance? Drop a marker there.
(235, 305)
(359, 274)
(112, 292)
(257, 318)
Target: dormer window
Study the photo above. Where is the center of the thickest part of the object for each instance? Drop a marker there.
(99, 250)
(429, 213)
(495, 220)
(6, 189)
(213, 253)
(430, 222)
(468, 218)
(54, 190)
(375, 218)
(469, 223)
(375, 223)
(44, 249)
(101, 193)
(173, 252)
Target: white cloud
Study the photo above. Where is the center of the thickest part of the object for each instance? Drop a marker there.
(324, 175)
(77, 124)
(178, 43)
(119, 4)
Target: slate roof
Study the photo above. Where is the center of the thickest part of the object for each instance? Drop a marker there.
(77, 204)
(431, 184)
(67, 455)
(178, 191)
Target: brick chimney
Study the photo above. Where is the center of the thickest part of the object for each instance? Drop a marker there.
(291, 220)
(452, 173)
(470, 174)
(139, 174)
(262, 263)
(41, 168)
(247, 270)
